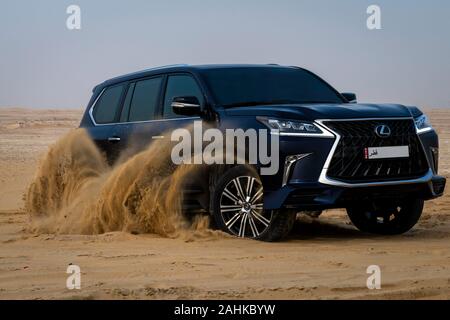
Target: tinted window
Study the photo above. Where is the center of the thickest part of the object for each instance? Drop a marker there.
(178, 86)
(145, 100)
(127, 103)
(258, 85)
(107, 105)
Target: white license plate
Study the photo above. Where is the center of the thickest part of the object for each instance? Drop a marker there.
(386, 152)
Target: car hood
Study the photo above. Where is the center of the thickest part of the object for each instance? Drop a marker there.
(323, 111)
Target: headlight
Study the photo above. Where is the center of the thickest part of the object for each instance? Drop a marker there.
(292, 127)
(422, 124)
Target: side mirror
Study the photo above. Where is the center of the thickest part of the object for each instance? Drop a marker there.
(186, 106)
(350, 97)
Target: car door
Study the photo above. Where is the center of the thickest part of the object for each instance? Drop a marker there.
(178, 85)
(195, 196)
(104, 114)
(138, 125)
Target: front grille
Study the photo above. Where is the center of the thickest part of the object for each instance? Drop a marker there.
(349, 164)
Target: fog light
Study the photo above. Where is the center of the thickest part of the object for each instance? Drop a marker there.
(438, 185)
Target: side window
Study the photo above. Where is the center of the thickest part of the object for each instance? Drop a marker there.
(177, 86)
(107, 105)
(127, 103)
(145, 99)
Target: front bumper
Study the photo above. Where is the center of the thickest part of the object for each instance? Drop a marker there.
(318, 196)
(307, 187)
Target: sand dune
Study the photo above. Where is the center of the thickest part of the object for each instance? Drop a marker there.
(324, 258)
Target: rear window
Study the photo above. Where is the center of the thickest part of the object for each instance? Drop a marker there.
(108, 104)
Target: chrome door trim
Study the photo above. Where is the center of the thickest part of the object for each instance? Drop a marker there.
(91, 115)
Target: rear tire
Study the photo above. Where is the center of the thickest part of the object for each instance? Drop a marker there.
(237, 207)
(386, 219)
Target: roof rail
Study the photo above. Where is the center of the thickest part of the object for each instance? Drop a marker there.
(168, 66)
(149, 69)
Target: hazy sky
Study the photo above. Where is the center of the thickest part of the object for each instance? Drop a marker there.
(43, 64)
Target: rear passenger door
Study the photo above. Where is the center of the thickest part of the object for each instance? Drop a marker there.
(141, 104)
(104, 114)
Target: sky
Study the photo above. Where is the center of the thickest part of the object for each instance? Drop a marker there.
(43, 64)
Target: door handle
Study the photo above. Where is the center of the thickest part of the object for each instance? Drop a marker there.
(114, 139)
(157, 137)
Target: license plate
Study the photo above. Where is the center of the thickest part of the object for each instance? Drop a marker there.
(386, 152)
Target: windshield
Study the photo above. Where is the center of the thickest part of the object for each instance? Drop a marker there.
(244, 86)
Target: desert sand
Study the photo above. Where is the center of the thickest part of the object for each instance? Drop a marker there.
(324, 258)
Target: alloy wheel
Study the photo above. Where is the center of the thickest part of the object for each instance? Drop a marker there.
(241, 207)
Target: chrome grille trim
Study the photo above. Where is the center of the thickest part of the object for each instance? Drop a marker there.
(323, 178)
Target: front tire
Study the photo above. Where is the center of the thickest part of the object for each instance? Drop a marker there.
(237, 207)
(385, 218)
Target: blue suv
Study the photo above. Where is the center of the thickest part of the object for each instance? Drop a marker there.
(378, 161)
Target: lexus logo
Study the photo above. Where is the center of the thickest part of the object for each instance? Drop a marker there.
(383, 131)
